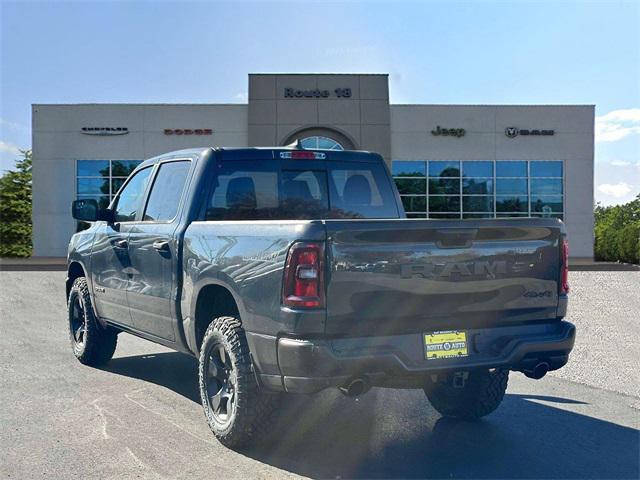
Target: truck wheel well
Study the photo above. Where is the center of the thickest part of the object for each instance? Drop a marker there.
(75, 271)
(213, 301)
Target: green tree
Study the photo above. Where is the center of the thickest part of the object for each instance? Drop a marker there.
(15, 209)
(617, 232)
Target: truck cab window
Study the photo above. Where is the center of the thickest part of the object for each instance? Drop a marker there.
(166, 191)
(129, 202)
(362, 193)
(243, 195)
(303, 195)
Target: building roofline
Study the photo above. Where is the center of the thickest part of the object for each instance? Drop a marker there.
(246, 104)
(139, 104)
(492, 105)
(317, 73)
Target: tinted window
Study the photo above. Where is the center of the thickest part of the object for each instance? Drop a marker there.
(546, 204)
(511, 185)
(512, 203)
(244, 195)
(546, 169)
(477, 203)
(123, 168)
(444, 169)
(411, 186)
(546, 186)
(364, 192)
(477, 186)
(129, 202)
(92, 168)
(511, 169)
(93, 186)
(248, 194)
(409, 169)
(444, 186)
(477, 169)
(303, 194)
(166, 192)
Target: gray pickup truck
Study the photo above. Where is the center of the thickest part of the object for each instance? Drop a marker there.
(291, 270)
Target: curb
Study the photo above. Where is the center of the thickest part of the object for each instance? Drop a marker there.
(604, 267)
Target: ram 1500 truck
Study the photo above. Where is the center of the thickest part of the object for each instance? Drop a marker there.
(291, 270)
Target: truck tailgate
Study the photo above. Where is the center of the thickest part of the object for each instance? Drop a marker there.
(389, 277)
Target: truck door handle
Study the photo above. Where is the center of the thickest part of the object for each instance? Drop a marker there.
(121, 243)
(161, 246)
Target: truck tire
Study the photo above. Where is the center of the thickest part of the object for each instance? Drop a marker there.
(482, 394)
(237, 410)
(91, 343)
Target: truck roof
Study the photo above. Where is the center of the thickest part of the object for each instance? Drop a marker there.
(266, 153)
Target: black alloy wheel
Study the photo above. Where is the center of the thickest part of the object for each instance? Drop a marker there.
(221, 384)
(77, 324)
(237, 409)
(91, 342)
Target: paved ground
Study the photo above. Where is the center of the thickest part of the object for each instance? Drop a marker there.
(140, 417)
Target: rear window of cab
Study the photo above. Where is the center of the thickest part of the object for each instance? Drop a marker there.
(248, 192)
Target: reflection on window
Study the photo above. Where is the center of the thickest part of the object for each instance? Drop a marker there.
(477, 186)
(444, 169)
(511, 169)
(100, 180)
(480, 188)
(102, 177)
(511, 185)
(512, 204)
(546, 186)
(129, 200)
(477, 169)
(409, 169)
(546, 169)
(166, 191)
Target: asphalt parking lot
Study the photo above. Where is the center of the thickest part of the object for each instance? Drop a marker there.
(140, 416)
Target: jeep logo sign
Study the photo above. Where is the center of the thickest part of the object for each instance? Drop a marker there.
(451, 132)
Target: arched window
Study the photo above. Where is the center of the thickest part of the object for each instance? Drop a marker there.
(317, 142)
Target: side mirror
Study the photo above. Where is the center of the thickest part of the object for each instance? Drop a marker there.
(88, 211)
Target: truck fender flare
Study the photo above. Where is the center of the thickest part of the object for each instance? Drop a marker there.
(73, 263)
(190, 328)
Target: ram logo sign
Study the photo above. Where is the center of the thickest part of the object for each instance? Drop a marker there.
(446, 270)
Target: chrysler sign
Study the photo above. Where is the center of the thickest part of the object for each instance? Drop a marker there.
(105, 131)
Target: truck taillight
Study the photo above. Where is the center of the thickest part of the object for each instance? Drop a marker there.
(564, 269)
(304, 276)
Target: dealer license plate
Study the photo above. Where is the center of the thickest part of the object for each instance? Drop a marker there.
(449, 344)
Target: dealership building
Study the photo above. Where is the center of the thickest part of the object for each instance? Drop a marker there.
(448, 161)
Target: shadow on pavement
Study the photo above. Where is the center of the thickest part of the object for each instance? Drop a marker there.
(396, 434)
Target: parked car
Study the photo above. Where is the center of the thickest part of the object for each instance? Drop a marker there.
(291, 271)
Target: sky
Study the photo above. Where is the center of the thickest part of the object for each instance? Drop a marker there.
(434, 52)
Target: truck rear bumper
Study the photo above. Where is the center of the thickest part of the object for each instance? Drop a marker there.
(310, 365)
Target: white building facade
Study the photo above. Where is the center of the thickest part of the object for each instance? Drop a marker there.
(449, 161)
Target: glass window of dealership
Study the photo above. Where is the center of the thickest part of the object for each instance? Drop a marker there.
(101, 179)
(480, 188)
